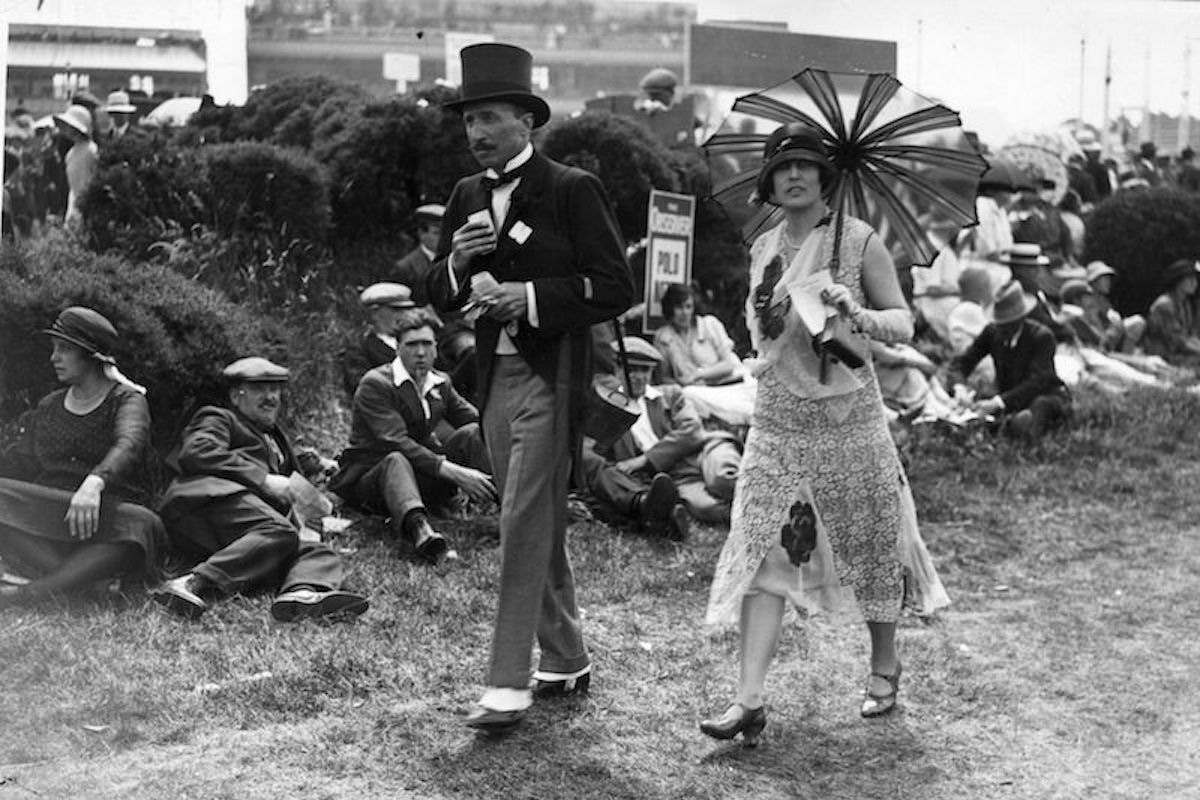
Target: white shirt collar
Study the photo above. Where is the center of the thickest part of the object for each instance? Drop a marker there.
(400, 376)
(430, 254)
(652, 393)
(513, 163)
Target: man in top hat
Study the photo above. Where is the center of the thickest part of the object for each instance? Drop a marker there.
(532, 248)
(121, 112)
(385, 305)
(227, 511)
(666, 468)
(397, 463)
(1029, 392)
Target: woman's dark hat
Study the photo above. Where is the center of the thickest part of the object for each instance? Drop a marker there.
(88, 329)
(791, 142)
(499, 72)
(1179, 270)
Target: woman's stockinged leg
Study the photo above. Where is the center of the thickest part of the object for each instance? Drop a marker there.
(762, 620)
(884, 658)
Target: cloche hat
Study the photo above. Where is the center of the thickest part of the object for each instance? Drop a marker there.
(87, 329)
(791, 142)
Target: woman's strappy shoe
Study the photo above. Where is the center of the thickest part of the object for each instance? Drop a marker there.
(749, 722)
(876, 705)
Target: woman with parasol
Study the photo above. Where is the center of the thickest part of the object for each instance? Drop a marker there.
(822, 517)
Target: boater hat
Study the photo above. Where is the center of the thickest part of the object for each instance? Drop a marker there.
(639, 352)
(499, 72)
(1024, 254)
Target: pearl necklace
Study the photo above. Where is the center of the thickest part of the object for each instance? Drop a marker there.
(788, 241)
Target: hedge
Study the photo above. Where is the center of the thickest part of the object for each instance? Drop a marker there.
(1139, 233)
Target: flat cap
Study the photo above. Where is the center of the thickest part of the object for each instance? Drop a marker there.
(639, 351)
(430, 211)
(396, 295)
(255, 369)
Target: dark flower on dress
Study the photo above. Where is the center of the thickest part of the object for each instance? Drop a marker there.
(799, 534)
(770, 317)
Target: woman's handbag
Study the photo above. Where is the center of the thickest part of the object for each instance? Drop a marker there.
(839, 342)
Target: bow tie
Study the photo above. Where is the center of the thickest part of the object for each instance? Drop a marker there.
(491, 180)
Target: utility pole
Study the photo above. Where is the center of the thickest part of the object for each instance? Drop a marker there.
(1104, 149)
(1082, 62)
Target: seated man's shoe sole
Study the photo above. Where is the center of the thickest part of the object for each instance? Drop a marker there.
(659, 499)
(489, 720)
(563, 688)
(176, 598)
(291, 606)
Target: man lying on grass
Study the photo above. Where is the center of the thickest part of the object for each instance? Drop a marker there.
(227, 512)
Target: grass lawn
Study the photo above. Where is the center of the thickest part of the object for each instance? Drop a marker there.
(1067, 666)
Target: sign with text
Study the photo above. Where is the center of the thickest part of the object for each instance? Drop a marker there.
(669, 237)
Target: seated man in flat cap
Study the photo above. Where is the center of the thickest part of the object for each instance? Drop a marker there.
(666, 468)
(396, 463)
(385, 305)
(228, 509)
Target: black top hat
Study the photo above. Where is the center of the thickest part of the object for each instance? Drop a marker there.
(87, 329)
(499, 72)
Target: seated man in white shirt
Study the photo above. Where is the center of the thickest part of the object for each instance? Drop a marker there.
(666, 468)
(397, 462)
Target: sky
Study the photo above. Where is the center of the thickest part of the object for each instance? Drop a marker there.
(1015, 65)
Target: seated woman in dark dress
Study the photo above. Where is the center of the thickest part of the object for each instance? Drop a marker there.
(70, 512)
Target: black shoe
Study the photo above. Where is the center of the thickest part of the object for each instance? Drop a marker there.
(489, 720)
(551, 684)
(749, 722)
(181, 596)
(654, 505)
(429, 545)
(311, 604)
(679, 523)
(876, 705)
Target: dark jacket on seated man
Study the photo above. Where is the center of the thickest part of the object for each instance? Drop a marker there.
(1023, 353)
(227, 512)
(388, 417)
(396, 463)
(667, 440)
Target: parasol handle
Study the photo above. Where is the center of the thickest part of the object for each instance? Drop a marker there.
(621, 354)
